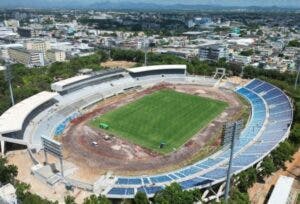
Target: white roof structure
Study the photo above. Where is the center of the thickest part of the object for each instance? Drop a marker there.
(58, 85)
(242, 41)
(282, 189)
(156, 67)
(8, 194)
(5, 46)
(12, 119)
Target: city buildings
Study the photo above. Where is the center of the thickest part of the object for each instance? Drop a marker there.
(27, 57)
(210, 36)
(246, 60)
(246, 40)
(37, 45)
(27, 32)
(55, 55)
(213, 52)
(11, 23)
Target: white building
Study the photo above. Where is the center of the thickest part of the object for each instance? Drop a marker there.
(242, 59)
(8, 194)
(12, 23)
(4, 49)
(213, 52)
(282, 192)
(27, 57)
(55, 55)
(37, 45)
(7, 32)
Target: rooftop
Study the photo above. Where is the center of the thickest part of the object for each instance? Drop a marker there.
(281, 190)
(70, 80)
(156, 67)
(12, 119)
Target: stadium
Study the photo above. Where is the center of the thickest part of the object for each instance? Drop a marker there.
(141, 129)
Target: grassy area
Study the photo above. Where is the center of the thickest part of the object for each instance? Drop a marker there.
(164, 116)
(298, 199)
(246, 110)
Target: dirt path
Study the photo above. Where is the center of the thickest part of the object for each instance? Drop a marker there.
(121, 157)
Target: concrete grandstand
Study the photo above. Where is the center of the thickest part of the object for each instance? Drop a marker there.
(48, 114)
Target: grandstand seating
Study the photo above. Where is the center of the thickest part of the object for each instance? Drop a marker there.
(61, 127)
(269, 124)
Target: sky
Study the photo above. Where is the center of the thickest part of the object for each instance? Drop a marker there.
(243, 3)
(231, 2)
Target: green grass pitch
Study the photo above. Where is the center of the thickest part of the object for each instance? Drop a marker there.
(163, 116)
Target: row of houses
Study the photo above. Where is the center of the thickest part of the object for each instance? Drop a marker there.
(261, 57)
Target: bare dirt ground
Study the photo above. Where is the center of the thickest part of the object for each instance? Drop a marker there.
(116, 64)
(237, 80)
(121, 157)
(259, 191)
(21, 159)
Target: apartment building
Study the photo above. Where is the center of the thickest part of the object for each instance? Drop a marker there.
(213, 52)
(37, 45)
(27, 57)
(27, 32)
(55, 55)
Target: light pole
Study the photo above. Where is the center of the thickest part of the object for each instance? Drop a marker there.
(232, 132)
(230, 163)
(8, 77)
(145, 49)
(298, 70)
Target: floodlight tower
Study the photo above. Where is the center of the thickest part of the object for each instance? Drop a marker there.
(298, 70)
(232, 132)
(8, 77)
(145, 50)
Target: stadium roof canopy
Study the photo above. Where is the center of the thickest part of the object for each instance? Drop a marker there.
(85, 78)
(12, 120)
(156, 67)
(68, 81)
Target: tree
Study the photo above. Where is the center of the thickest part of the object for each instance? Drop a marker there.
(260, 32)
(267, 167)
(173, 194)
(35, 199)
(246, 179)
(26, 197)
(197, 195)
(294, 43)
(295, 134)
(21, 190)
(237, 197)
(8, 172)
(93, 199)
(247, 52)
(283, 153)
(234, 68)
(69, 200)
(140, 198)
